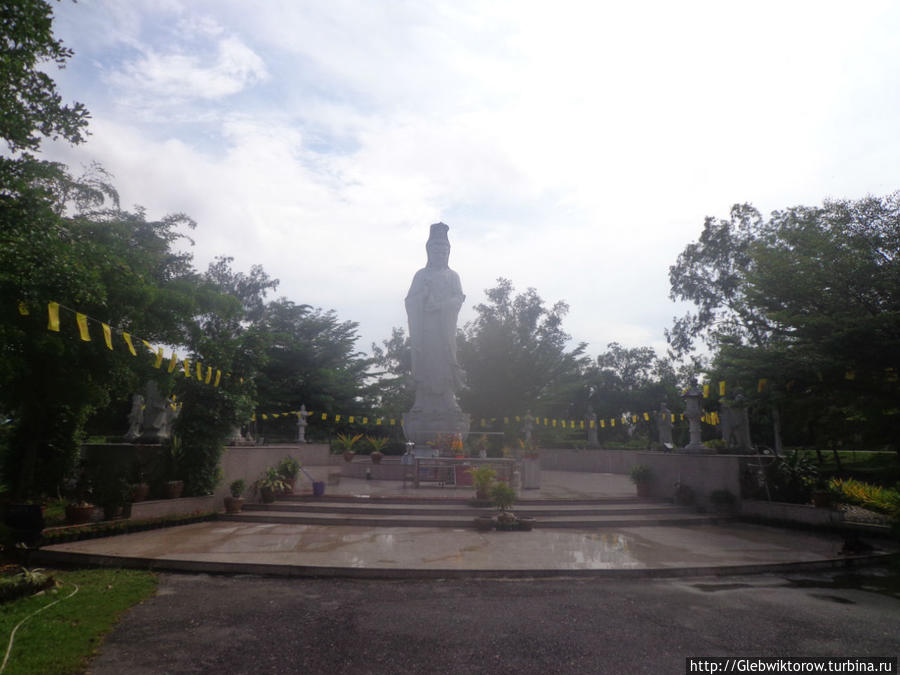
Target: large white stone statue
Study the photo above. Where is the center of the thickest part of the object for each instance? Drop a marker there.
(432, 307)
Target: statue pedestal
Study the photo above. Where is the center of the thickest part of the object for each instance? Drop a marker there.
(422, 426)
(696, 449)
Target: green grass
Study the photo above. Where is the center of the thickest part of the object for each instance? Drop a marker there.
(62, 638)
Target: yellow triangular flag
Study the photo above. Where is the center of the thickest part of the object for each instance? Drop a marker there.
(337, 418)
(324, 416)
(173, 361)
(705, 391)
(602, 424)
(53, 316)
(159, 358)
(199, 372)
(646, 417)
(23, 309)
(722, 388)
(107, 335)
(761, 384)
(378, 422)
(350, 419)
(208, 374)
(187, 369)
(81, 320)
(365, 420)
(127, 338)
(218, 377)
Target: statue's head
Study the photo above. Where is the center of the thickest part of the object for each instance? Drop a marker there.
(438, 246)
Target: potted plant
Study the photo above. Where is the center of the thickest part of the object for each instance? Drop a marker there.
(139, 491)
(346, 442)
(112, 494)
(503, 496)
(289, 469)
(235, 502)
(79, 512)
(269, 485)
(641, 475)
(377, 444)
(174, 456)
(482, 478)
(684, 494)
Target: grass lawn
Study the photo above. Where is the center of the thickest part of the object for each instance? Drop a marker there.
(63, 637)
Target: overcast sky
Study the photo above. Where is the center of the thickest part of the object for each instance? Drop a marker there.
(575, 147)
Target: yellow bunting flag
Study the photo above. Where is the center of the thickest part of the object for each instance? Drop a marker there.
(505, 420)
(81, 320)
(582, 424)
(187, 369)
(646, 417)
(850, 375)
(634, 419)
(673, 418)
(148, 346)
(208, 374)
(159, 358)
(53, 316)
(351, 418)
(107, 335)
(682, 417)
(393, 422)
(517, 419)
(218, 377)
(761, 384)
(127, 338)
(365, 420)
(483, 422)
(23, 309)
(173, 361)
(602, 424)
(612, 423)
(722, 388)
(705, 391)
(324, 417)
(545, 421)
(337, 418)
(253, 418)
(378, 422)
(199, 372)
(592, 424)
(554, 423)
(264, 416)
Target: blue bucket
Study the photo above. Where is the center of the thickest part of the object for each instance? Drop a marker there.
(318, 488)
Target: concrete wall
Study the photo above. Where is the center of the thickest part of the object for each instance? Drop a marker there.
(790, 513)
(249, 462)
(703, 473)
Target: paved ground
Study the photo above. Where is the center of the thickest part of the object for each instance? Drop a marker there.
(243, 624)
(359, 551)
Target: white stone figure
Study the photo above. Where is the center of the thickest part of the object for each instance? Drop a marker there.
(302, 424)
(432, 306)
(135, 418)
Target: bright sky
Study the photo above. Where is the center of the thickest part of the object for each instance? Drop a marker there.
(575, 147)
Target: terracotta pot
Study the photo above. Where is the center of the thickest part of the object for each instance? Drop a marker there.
(643, 490)
(174, 488)
(234, 504)
(267, 495)
(139, 492)
(289, 485)
(78, 515)
(348, 456)
(376, 457)
(112, 511)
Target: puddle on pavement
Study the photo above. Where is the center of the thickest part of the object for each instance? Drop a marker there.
(880, 580)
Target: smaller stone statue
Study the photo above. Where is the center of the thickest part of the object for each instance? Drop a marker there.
(135, 418)
(302, 424)
(528, 426)
(735, 422)
(693, 413)
(664, 425)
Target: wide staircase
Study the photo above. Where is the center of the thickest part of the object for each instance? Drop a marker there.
(457, 512)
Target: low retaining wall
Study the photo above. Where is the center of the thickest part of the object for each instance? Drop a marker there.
(249, 462)
(702, 473)
(783, 512)
(157, 508)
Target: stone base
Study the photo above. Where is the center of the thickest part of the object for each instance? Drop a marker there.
(420, 427)
(696, 450)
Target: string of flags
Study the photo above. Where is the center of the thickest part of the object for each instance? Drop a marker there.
(207, 374)
(175, 364)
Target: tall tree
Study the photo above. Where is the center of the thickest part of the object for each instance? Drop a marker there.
(516, 356)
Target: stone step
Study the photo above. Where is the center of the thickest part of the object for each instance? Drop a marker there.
(377, 499)
(435, 520)
(454, 509)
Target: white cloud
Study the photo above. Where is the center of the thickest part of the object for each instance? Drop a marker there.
(575, 149)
